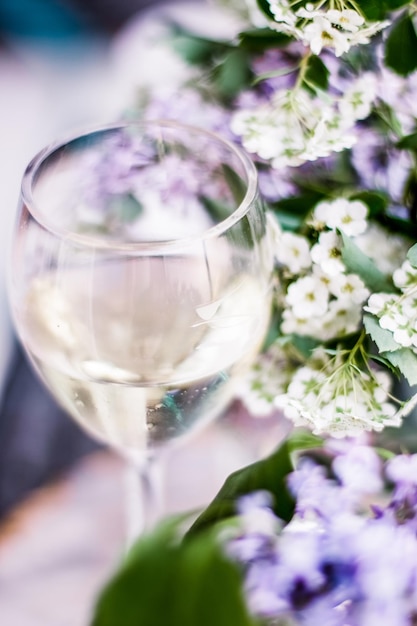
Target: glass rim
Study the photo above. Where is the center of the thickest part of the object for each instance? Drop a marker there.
(29, 175)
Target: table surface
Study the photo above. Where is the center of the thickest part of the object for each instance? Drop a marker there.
(60, 545)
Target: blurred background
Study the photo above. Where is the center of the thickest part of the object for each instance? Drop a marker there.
(56, 75)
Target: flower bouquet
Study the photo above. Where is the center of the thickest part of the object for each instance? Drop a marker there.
(323, 95)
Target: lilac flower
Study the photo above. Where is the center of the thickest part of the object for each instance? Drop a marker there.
(115, 165)
(316, 495)
(359, 469)
(275, 68)
(402, 471)
(187, 104)
(337, 567)
(379, 166)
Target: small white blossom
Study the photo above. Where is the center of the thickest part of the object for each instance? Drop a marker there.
(379, 303)
(297, 325)
(307, 296)
(269, 377)
(341, 318)
(377, 238)
(282, 12)
(348, 216)
(396, 314)
(349, 287)
(309, 12)
(293, 251)
(332, 133)
(363, 35)
(358, 98)
(307, 384)
(262, 133)
(348, 19)
(327, 253)
(405, 276)
(320, 34)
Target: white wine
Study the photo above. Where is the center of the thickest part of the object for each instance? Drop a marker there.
(139, 350)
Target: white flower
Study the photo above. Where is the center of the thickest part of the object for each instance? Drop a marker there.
(332, 133)
(282, 12)
(306, 384)
(297, 325)
(261, 130)
(346, 19)
(379, 303)
(342, 318)
(405, 276)
(294, 127)
(307, 296)
(327, 254)
(363, 35)
(348, 216)
(349, 287)
(377, 238)
(309, 12)
(320, 34)
(357, 100)
(396, 314)
(293, 251)
(336, 398)
(268, 378)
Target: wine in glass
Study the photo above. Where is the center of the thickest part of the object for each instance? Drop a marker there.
(140, 278)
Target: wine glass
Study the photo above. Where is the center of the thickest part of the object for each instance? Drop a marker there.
(140, 279)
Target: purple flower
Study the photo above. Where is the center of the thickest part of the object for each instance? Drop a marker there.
(402, 471)
(332, 565)
(379, 166)
(359, 469)
(279, 68)
(111, 170)
(318, 495)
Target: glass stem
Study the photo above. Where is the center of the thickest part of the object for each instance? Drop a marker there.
(144, 496)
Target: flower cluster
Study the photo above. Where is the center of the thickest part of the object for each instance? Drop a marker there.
(295, 126)
(348, 557)
(332, 396)
(321, 96)
(398, 312)
(131, 186)
(336, 28)
(322, 298)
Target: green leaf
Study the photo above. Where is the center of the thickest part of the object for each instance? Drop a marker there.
(196, 49)
(383, 338)
(265, 8)
(296, 206)
(358, 263)
(405, 360)
(304, 345)
(378, 9)
(274, 74)
(261, 39)
(127, 208)
(268, 474)
(235, 183)
(233, 73)
(168, 582)
(376, 201)
(218, 211)
(401, 47)
(317, 73)
(408, 142)
(372, 9)
(412, 255)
